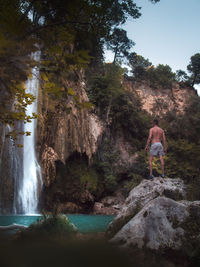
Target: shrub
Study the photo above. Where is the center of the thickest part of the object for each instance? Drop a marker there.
(50, 226)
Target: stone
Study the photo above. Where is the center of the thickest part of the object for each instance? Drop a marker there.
(175, 97)
(49, 157)
(153, 227)
(142, 194)
(153, 221)
(109, 205)
(85, 197)
(100, 209)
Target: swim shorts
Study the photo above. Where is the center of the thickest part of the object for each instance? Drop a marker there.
(156, 149)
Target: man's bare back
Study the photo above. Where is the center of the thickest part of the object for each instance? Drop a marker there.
(157, 134)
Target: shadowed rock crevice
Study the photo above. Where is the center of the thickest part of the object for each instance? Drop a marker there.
(71, 190)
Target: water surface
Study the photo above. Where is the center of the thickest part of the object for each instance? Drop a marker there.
(84, 223)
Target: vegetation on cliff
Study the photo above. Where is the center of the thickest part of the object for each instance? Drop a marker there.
(162, 76)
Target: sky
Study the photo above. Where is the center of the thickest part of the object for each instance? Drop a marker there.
(166, 33)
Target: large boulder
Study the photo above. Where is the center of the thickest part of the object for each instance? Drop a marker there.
(153, 227)
(142, 194)
(156, 221)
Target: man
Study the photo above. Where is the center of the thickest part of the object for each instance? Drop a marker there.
(156, 134)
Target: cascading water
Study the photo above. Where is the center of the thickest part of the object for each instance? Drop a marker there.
(30, 186)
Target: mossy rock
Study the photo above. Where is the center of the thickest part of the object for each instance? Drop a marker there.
(50, 227)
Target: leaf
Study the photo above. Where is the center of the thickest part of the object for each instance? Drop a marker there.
(88, 105)
(19, 145)
(70, 92)
(28, 133)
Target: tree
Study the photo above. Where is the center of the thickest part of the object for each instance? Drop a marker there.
(139, 65)
(119, 43)
(194, 69)
(162, 76)
(105, 88)
(181, 76)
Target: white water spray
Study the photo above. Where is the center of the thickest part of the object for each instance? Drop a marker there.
(32, 180)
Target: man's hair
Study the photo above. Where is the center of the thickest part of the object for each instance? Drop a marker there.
(155, 122)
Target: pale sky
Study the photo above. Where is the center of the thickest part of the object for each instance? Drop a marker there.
(166, 33)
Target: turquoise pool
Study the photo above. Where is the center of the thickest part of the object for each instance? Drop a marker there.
(84, 223)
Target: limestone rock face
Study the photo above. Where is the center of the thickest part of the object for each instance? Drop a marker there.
(142, 194)
(168, 98)
(63, 133)
(49, 156)
(153, 227)
(154, 217)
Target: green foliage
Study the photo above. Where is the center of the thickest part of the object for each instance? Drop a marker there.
(119, 43)
(79, 171)
(181, 76)
(49, 227)
(161, 76)
(103, 89)
(183, 141)
(182, 159)
(143, 70)
(134, 179)
(139, 66)
(127, 116)
(87, 176)
(105, 165)
(194, 69)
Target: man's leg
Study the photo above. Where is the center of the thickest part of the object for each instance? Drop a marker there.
(162, 165)
(150, 164)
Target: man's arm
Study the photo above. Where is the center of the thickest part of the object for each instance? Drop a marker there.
(148, 140)
(164, 142)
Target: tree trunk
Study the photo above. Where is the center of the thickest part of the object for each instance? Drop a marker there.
(108, 110)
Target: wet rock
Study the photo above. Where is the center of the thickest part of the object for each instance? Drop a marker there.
(99, 208)
(109, 205)
(49, 157)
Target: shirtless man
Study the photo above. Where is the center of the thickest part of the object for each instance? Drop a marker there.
(156, 149)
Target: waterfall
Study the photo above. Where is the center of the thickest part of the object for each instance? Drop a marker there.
(30, 185)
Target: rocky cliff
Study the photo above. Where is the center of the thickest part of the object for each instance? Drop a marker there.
(66, 130)
(159, 100)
